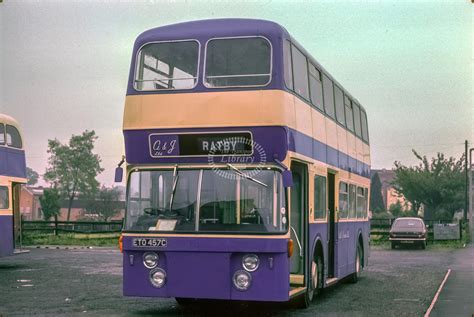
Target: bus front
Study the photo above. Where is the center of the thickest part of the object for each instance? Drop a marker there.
(207, 214)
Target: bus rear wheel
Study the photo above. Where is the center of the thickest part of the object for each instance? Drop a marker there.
(358, 265)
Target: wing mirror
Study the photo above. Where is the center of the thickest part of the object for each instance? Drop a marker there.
(119, 171)
(287, 178)
(118, 174)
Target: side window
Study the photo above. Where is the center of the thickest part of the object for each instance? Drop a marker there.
(288, 65)
(315, 87)
(366, 202)
(328, 97)
(4, 203)
(365, 129)
(319, 197)
(343, 200)
(352, 201)
(358, 128)
(2, 134)
(300, 71)
(360, 203)
(339, 100)
(13, 137)
(349, 118)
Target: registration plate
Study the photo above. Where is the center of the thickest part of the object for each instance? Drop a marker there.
(408, 241)
(150, 242)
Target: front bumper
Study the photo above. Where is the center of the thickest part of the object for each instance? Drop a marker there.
(203, 268)
(407, 239)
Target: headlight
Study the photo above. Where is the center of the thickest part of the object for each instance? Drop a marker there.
(158, 277)
(150, 260)
(250, 262)
(242, 280)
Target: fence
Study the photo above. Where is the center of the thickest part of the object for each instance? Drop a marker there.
(381, 227)
(57, 227)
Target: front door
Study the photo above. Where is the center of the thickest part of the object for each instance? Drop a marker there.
(16, 190)
(332, 232)
(298, 212)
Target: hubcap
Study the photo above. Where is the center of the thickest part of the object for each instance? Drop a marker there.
(314, 274)
(358, 262)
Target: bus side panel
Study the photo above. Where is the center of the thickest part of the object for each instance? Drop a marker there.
(356, 228)
(6, 235)
(344, 245)
(12, 162)
(318, 231)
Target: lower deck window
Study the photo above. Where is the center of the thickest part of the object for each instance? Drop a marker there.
(4, 199)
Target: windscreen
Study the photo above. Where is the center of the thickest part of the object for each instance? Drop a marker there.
(167, 65)
(238, 62)
(206, 201)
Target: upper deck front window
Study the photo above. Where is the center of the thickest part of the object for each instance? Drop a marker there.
(238, 62)
(167, 65)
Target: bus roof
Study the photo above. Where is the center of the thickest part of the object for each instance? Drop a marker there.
(211, 28)
(8, 120)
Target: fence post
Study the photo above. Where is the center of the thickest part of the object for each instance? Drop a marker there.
(55, 225)
(460, 229)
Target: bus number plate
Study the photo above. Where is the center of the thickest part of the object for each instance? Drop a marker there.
(150, 242)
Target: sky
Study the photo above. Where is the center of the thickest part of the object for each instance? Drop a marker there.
(64, 66)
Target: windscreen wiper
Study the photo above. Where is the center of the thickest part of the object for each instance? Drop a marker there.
(241, 174)
(175, 183)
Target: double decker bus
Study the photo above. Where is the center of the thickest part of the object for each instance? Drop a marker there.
(247, 167)
(12, 175)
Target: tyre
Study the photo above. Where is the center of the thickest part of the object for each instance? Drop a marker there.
(186, 302)
(423, 245)
(315, 283)
(354, 277)
(393, 245)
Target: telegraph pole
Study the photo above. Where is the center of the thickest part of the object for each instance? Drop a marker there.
(468, 185)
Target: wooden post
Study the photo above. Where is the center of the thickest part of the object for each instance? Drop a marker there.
(55, 225)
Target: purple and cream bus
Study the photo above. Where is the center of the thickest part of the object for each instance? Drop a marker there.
(247, 167)
(12, 175)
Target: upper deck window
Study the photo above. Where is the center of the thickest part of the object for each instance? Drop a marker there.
(167, 65)
(13, 137)
(300, 69)
(2, 134)
(238, 62)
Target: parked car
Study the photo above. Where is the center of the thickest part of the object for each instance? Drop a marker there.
(409, 231)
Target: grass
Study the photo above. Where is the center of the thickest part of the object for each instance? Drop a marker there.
(96, 240)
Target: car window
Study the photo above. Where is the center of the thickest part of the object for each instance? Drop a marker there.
(408, 223)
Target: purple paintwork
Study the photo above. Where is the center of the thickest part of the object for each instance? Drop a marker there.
(344, 246)
(203, 268)
(12, 162)
(274, 140)
(6, 235)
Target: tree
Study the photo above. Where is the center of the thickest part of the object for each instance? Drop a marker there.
(376, 198)
(73, 168)
(50, 203)
(32, 176)
(105, 203)
(437, 184)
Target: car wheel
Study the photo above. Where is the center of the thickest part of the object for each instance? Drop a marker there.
(423, 245)
(358, 265)
(393, 245)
